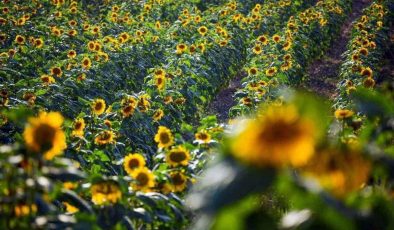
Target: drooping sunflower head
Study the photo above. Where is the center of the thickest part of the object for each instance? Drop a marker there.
(203, 137)
(105, 192)
(278, 137)
(43, 134)
(133, 162)
(105, 137)
(47, 80)
(178, 181)
(178, 156)
(144, 179)
(366, 72)
(271, 71)
(369, 82)
(98, 106)
(164, 137)
(287, 45)
(128, 110)
(158, 114)
(363, 51)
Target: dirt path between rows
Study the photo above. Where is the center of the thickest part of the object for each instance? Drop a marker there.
(224, 100)
(322, 74)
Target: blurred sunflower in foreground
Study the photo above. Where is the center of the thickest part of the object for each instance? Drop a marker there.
(280, 136)
(44, 134)
(338, 171)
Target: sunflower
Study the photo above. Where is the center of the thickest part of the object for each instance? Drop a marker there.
(91, 45)
(164, 137)
(39, 43)
(271, 71)
(105, 137)
(72, 33)
(44, 134)
(363, 51)
(178, 181)
(203, 137)
(98, 106)
(178, 156)
(181, 48)
(343, 113)
(246, 101)
(105, 192)
(158, 115)
(253, 71)
(355, 57)
(287, 45)
(276, 38)
(287, 57)
(338, 171)
(160, 82)
(223, 43)
(20, 39)
(257, 49)
(143, 103)
(201, 47)
(202, 30)
(132, 162)
(125, 36)
(192, 49)
(366, 72)
(128, 110)
(86, 63)
(144, 179)
(47, 80)
(11, 52)
(97, 47)
(78, 127)
(279, 137)
(56, 71)
(95, 30)
(71, 54)
(285, 66)
(369, 82)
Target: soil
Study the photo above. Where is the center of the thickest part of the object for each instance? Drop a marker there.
(224, 100)
(322, 74)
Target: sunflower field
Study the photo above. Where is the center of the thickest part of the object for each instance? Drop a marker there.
(197, 114)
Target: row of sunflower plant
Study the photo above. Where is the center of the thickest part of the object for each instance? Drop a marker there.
(279, 60)
(285, 167)
(360, 71)
(368, 43)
